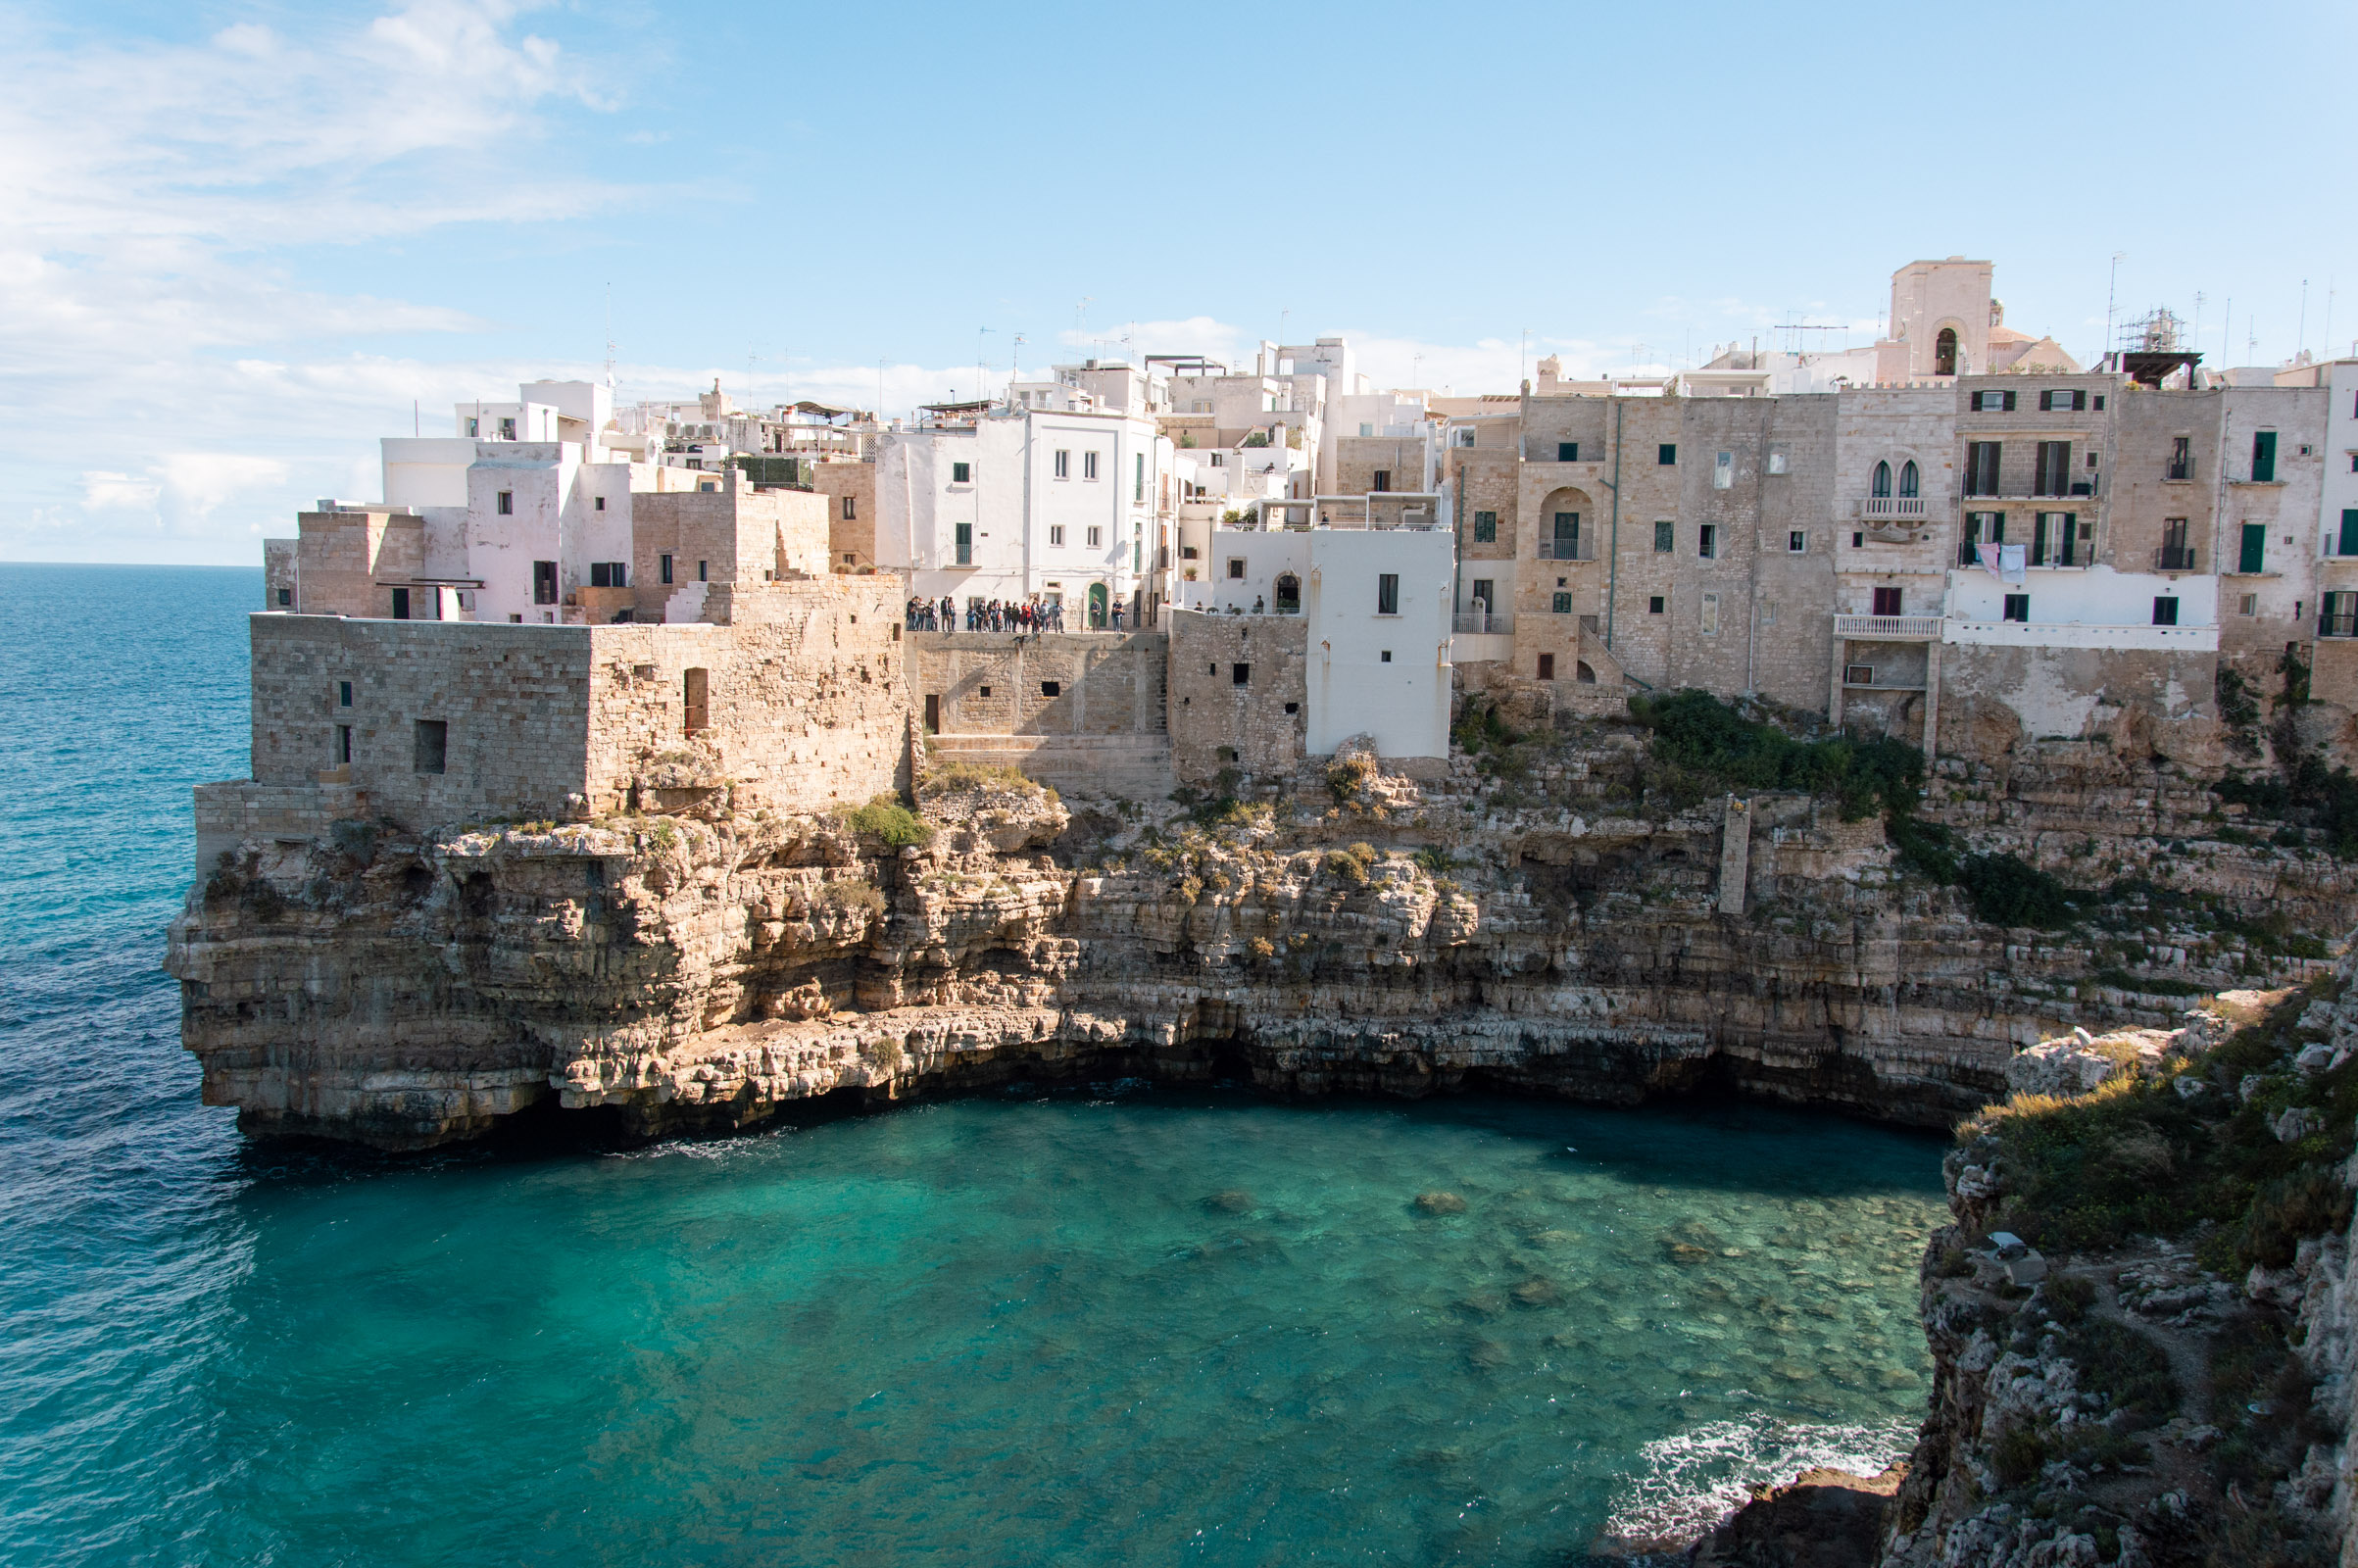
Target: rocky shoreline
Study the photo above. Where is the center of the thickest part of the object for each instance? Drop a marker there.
(1553, 923)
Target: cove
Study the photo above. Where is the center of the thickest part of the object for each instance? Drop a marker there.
(1125, 1326)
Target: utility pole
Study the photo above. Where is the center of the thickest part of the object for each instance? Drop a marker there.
(1014, 363)
(2301, 339)
(2111, 293)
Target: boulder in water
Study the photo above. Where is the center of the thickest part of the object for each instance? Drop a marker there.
(1229, 1200)
(1440, 1203)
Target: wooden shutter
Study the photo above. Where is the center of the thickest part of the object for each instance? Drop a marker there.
(2349, 533)
(2252, 558)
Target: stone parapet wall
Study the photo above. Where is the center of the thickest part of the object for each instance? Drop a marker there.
(1057, 683)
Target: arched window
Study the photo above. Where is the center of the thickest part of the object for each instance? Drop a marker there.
(1907, 478)
(1883, 482)
(1289, 595)
(1944, 352)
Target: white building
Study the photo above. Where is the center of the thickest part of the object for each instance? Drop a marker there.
(987, 503)
(1377, 604)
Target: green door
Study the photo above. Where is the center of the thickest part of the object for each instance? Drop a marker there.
(1567, 536)
(2252, 558)
(1097, 606)
(966, 544)
(2263, 457)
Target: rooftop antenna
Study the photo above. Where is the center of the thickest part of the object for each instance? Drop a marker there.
(610, 339)
(1014, 363)
(2300, 340)
(2112, 292)
(2195, 337)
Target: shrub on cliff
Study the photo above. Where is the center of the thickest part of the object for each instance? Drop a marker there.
(853, 893)
(885, 819)
(1698, 733)
(2006, 890)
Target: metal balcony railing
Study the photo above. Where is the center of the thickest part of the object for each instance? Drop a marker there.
(2174, 557)
(1482, 622)
(1567, 550)
(2341, 625)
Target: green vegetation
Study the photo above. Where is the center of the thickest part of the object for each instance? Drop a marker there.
(1702, 747)
(959, 776)
(885, 819)
(853, 893)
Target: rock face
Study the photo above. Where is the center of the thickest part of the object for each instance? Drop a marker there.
(1821, 1519)
(696, 971)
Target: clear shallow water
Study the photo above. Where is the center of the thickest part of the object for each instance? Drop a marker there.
(1122, 1326)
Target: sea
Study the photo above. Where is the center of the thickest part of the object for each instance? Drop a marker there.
(1098, 1325)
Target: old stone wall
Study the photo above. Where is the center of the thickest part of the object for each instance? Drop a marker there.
(736, 534)
(2139, 701)
(1257, 723)
(341, 559)
(1061, 683)
(850, 488)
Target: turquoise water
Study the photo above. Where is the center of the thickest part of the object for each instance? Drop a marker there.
(1112, 1325)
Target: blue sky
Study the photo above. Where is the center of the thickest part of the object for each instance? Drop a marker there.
(244, 239)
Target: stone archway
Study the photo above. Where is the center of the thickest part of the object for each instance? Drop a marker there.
(1567, 526)
(1944, 352)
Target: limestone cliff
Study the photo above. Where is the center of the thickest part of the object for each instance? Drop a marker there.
(1544, 923)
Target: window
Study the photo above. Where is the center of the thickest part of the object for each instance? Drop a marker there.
(343, 750)
(1723, 470)
(1055, 533)
(507, 429)
(2182, 458)
(2055, 539)
(474, 427)
(2017, 608)
(1908, 480)
(663, 569)
(1088, 465)
(1796, 541)
(609, 574)
(1064, 464)
(1654, 604)
(1858, 540)
(505, 503)
(2263, 457)
(851, 509)
(982, 691)
(2052, 469)
(431, 748)
(401, 604)
(1547, 667)
(343, 693)
(544, 582)
(966, 544)
(1293, 708)
(696, 700)
(1982, 467)
(1236, 566)
(1666, 455)
(2165, 611)
(1219, 459)
(1664, 540)
(1561, 605)
(1383, 658)
(1994, 403)
(2249, 605)
(2348, 544)
(1138, 477)
(2252, 556)
(704, 571)
(1379, 481)
(1858, 675)
(1707, 545)
(1880, 487)
(1050, 688)
(1887, 601)
(1565, 544)
(1776, 460)
(1486, 527)
(962, 473)
(1485, 592)
(1388, 593)
(1462, 438)
(1710, 615)
(2060, 400)
(1240, 675)
(286, 598)
(1567, 451)
(1096, 538)
(1288, 594)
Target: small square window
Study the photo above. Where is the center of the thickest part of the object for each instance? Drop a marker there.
(1859, 539)
(598, 503)
(1776, 460)
(1796, 541)
(1236, 565)
(962, 473)
(982, 691)
(1486, 527)
(1654, 604)
(1567, 451)
(505, 504)
(1666, 455)
(1293, 708)
(286, 598)
(2165, 611)
(1240, 675)
(2249, 605)
(1562, 604)
(2018, 607)
(1050, 688)
(1383, 658)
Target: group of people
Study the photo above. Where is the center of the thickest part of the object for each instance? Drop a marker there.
(992, 615)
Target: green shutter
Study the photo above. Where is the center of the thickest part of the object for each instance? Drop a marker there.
(2263, 458)
(2349, 533)
(966, 544)
(2253, 557)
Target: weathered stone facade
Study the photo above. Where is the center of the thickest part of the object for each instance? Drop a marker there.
(1239, 694)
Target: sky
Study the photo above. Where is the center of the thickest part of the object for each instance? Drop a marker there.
(240, 243)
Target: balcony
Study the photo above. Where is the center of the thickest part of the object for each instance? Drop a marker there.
(1482, 622)
(1893, 508)
(1889, 628)
(2176, 557)
(1567, 550)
